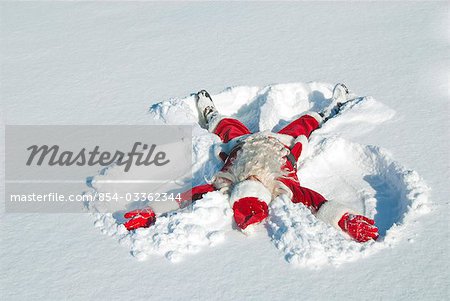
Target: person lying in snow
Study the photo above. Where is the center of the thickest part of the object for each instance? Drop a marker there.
(258, 167)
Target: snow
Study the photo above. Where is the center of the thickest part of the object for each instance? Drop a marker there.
(175, 235)
(106, 63)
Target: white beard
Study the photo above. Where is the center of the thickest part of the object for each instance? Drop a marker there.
(260, 156)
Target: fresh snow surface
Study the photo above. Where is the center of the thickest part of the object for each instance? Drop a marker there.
(105, 63)
(363, 177)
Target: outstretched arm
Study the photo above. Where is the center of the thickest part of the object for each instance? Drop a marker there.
(196, 193)
(336, 214)
(144, 218)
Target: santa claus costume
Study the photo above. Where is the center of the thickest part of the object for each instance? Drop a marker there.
(261, 166)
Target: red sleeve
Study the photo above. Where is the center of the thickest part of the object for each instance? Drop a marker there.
(304, 125)
(306, 196)
(195, 193)
(309, 198)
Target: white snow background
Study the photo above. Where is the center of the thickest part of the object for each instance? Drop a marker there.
(106, 63)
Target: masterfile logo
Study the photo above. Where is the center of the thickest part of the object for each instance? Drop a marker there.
(61, 168)
(54, 156)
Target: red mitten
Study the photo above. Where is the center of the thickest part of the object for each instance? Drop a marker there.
(359, 227)
(140, 218)
(196, 193)
(249, 211)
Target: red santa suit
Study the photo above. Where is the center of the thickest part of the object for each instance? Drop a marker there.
(295, 137)
(250, 198)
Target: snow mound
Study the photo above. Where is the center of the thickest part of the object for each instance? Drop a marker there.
(174, 235)
(363, 177)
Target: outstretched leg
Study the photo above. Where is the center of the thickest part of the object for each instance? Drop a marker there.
(311, 121)
(230, 128)
(303, 125)
(225, 127)
(334, 213)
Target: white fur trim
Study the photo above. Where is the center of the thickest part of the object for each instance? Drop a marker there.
(305, 145)
(214, 122)
(331, 212)
(316, 116)
(250, 230)
(301, 139)
(250, 188)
